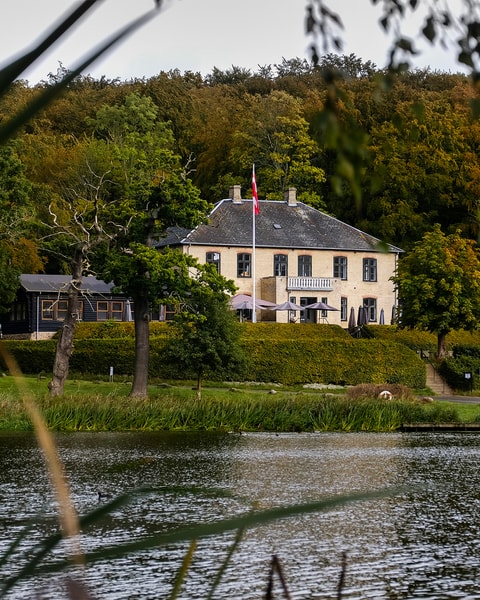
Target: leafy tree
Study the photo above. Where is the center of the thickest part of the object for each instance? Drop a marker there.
(151, 193)
(441, 25)
(274, 135)
(18, 249)
(439, 285)
(77, 228)
(419, 172)
(206, 338)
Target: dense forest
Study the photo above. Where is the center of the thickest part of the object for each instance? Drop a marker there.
(414, 142)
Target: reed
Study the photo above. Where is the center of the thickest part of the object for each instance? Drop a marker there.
(177, 409)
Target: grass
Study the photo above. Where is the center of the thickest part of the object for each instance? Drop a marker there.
(106, 406)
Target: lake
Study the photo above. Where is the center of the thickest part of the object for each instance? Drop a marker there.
(423, 542)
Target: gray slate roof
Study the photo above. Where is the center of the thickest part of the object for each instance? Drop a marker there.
(278, 225)
(57, 283)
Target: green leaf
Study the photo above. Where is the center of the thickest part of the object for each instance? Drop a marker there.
(465, 58)
(429, 29)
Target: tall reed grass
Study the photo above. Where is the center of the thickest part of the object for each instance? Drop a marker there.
(222, 410)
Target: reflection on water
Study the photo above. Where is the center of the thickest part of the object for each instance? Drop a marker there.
(420, 543)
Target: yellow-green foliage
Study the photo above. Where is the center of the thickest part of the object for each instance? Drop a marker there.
(422, 340)
(292, 331)
(290, 354)
(348, 361)
(413, 338)
(115, 329)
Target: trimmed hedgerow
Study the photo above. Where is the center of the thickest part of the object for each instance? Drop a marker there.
(334, 361)
(286, 361)
(115, 329)
(423, 340)
(292, 331)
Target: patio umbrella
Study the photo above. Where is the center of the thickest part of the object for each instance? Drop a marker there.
(394, 315)
(382, 317)
(352, 323)
(366, 316)
(320, 306)
(288, 306)
(245, 302)
(361, 317)
(127, 313)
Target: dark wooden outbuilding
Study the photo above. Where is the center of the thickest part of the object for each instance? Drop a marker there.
(41, 304)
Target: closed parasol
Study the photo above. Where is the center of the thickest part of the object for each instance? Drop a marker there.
(352, 323)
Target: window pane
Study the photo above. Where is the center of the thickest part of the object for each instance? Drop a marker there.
(371, 305)
(340, 267)
(280, 262)
(102, 310)
(213, 258)
(304, 266)
(47, 310)
(370, 269)
(117, 310)
(343, 308)
(243, 265)
(62, 306)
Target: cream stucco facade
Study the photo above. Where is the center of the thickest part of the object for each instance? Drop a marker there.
(300, 254)
(343, 293)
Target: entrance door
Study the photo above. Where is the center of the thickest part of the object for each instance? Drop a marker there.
(308, 316)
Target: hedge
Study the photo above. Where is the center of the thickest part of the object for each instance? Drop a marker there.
(115, 329)
(288, 362)
(417, 339)
(339, 362)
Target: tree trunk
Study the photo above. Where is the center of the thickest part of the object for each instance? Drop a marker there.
(142, 347)
(441, 345)
(65, 339)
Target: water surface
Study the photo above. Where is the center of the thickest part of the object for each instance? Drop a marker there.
(420, 543)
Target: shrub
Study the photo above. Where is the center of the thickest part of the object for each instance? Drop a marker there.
(309, 359)
(454, 370)
(371, 391)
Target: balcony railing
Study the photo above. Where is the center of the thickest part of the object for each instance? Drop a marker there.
(317, 284)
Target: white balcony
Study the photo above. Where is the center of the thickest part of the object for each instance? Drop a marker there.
(317, 284)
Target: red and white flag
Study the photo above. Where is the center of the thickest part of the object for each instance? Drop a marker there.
(256, 207)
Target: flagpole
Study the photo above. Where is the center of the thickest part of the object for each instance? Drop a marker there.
(254, 211)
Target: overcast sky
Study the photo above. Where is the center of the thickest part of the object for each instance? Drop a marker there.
(194, 35)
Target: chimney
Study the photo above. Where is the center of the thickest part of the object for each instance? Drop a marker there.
(290, 196)
(236, 194)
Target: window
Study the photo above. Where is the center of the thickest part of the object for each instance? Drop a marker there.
(369, 269)
(280, 265)
(56, 310)
(244, 265)
(324, 313)
(213, 258)
(167, 312)
(47, 310)
(343, 308)
(109, 310)
(305, 266)
(340, 267)
(18, 312)
(371, 306)
(61, 306)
